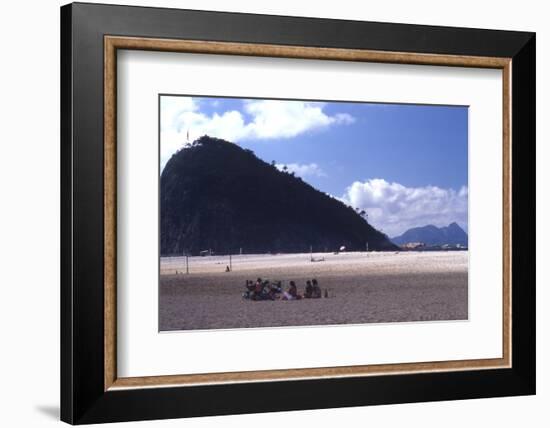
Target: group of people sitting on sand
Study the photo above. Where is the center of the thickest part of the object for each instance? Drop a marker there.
(267, 290)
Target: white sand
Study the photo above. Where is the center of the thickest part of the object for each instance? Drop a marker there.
(363, 288)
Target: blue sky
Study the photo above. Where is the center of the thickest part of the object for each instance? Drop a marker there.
(406, 165)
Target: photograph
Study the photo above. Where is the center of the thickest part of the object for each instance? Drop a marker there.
(288, 212)
(279, 210)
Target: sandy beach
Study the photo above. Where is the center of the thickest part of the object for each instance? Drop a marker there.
(363, 287)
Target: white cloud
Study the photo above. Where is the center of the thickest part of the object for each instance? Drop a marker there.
(394, 208)
(303, 170)
(260, 119)
(287, 119)
(171, 108)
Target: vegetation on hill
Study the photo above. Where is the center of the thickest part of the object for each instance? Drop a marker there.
(215, 195)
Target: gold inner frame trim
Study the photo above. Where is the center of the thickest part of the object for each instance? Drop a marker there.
(113, 43)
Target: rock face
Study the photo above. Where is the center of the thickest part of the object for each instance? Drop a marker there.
(452, 234)
(216, 196)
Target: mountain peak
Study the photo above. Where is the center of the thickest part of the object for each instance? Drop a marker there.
(434, 236)
(207, 139)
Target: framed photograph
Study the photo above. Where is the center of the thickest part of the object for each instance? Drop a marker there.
(266, 213)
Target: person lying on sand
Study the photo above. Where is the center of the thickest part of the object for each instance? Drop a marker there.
(262, 290)
(274, 290)
(276, 286)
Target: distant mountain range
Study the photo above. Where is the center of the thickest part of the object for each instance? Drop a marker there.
(431, 235)
(215, 195)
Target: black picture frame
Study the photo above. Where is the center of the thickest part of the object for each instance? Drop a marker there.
(83, 398)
